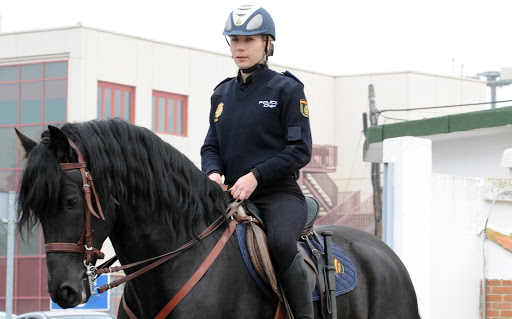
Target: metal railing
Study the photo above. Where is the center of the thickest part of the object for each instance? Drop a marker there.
(351, 212)
(323, 157)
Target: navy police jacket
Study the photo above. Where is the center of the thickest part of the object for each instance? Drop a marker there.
(263, 128)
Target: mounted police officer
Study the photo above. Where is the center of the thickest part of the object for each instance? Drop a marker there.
(258, 140)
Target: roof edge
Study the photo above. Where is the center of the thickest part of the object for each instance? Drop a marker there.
(435, 126)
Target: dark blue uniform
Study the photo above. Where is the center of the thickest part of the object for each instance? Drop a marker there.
(263, 126)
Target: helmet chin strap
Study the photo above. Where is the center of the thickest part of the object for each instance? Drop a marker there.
(258, 66)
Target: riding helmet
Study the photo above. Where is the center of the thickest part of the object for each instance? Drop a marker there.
(250, 20)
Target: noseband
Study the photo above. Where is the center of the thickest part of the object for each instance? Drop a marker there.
(84, 244)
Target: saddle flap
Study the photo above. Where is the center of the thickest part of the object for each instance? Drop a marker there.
(260, 257)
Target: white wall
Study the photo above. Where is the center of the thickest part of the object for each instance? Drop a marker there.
(475, 154)
(438, 226)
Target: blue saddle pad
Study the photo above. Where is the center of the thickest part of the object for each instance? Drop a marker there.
(346, 276)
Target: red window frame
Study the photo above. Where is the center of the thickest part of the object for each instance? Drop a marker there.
(29, 290)
(43, 124)
(125, 105)
(170, 129)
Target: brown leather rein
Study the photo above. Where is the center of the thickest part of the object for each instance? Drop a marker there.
(84, 244)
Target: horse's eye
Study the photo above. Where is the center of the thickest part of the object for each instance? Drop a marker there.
(72, 202)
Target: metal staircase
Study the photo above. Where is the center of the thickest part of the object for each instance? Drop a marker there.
(337, 208)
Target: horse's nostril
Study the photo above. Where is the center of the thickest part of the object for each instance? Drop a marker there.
(67, 296)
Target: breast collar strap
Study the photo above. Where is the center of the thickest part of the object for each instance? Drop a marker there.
(84, 244)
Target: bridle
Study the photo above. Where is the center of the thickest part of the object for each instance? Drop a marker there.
(84, 244)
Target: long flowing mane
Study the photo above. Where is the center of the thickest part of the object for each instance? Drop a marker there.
(128, 163)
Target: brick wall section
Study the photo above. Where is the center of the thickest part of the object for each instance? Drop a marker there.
(499, 299)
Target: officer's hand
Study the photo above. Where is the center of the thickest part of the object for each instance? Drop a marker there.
(216, 178)
(244, 186)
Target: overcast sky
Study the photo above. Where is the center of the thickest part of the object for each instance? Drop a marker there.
(448, 37)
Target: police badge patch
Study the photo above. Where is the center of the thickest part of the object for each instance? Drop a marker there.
(304, 108)
(218, 111)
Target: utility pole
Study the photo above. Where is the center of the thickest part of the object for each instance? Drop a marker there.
(10, 256)
(377, 189)
(493, 83)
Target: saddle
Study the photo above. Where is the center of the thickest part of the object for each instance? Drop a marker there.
(311, 246)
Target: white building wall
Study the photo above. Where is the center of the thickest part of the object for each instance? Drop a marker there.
(412, 159)
(476, 155)
(438, 225)
(457, 217)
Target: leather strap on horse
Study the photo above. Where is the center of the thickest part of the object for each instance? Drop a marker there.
(87, 179)
(72, 248)
(127, 309)
(257, 248)
(258, 253)
(158, 260)
(84, 244)
(199, 272)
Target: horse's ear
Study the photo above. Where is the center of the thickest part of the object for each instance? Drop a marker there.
(59, 144)
(26, 142)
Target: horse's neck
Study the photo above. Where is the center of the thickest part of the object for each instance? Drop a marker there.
(169, 277)
(137, 237)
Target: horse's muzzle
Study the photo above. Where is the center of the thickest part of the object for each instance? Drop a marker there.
(70, 296)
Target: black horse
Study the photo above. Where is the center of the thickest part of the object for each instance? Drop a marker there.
(154, 200)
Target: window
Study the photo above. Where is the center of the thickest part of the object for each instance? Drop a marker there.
(116, 100)
(169, 113)
(31, 97)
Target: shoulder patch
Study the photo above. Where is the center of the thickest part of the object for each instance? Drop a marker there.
(222, 82)
(289, 74)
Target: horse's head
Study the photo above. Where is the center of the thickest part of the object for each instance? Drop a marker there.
(55, 191)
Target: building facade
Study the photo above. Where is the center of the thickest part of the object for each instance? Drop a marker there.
(80, 73)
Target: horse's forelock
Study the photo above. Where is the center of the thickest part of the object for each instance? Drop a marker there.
(39, 187)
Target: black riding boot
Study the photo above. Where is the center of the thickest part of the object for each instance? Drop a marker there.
(297, 290)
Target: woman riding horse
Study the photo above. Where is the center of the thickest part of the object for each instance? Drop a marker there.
(259, 139)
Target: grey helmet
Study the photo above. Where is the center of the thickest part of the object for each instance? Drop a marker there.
(250, 20)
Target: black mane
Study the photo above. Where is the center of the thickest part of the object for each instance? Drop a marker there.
(128, 163)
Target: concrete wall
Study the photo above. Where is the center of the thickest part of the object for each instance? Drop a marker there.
(438, 222)
(474, 154)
